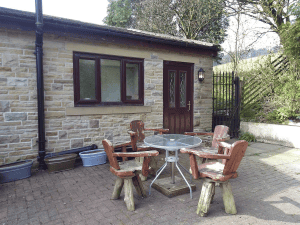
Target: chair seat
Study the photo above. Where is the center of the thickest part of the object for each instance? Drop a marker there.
(214, 170)
(128, 168)
(211, 150)
(130, 165)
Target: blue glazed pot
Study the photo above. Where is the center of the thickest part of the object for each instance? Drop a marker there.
(93, 157)
(15, 171)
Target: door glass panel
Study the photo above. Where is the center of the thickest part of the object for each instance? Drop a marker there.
(172, 76)
(87, 79)
(110, 80)
(132, 81)
(182, 88)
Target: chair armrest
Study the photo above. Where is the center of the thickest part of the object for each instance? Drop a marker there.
(132, 133)
(198, 133)
(225, 145)
(122, 145)
(161, 131)
(136, 154)
(206, 155)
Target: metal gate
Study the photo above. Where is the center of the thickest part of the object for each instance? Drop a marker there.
(226, 102)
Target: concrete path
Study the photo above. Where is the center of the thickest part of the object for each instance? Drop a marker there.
(267, 191)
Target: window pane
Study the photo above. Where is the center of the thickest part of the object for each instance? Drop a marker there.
(132, 81)
(110, 80)
(87, 79)
(182, 88)
(172, 76)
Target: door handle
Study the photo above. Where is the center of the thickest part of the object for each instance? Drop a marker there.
(189, 104)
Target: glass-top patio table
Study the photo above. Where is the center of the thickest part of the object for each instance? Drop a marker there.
(172, 142)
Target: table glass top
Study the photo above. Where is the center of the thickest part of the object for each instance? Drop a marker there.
(172, 141)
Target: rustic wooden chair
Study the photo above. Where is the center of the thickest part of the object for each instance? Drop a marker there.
(137, 135)
(127, 172)
(216, 172)
(220, 134)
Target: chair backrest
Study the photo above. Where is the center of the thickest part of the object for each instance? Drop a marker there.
(138, 127)
(220, 131)
(236, 152)
(109, 149)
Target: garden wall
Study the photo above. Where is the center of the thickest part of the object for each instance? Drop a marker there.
(287, 135)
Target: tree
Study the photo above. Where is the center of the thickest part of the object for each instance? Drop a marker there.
(275, 13)
(155, 16)
(239, 48)
(119, 13)
(290, 35)
(192, 19)
(242, 36)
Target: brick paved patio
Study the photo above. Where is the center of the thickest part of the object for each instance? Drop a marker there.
(267, 191)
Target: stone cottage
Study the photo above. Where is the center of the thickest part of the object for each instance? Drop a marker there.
(96, 80)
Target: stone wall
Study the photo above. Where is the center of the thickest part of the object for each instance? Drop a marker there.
(18, 99)
(286, 135)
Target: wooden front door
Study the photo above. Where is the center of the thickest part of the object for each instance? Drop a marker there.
(178, 96)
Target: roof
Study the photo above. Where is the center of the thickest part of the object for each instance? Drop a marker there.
(11, 18)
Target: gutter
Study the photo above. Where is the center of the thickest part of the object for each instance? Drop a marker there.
(40, 83)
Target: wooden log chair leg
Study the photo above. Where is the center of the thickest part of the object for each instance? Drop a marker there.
(128, 189)
(153, 165)
(205, 199)
(228, 199)
(117, 188)
(139, 186)
(213, 191)
(141, 160)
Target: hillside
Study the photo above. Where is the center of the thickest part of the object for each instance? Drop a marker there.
(245, 65)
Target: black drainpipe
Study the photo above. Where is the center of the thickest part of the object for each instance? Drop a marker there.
(40, 81)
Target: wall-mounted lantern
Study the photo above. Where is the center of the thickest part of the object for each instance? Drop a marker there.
(201, 74)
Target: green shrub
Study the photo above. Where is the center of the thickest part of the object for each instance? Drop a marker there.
(247, 137)
(250, 114)
(281, 100)
(289, 34)
(276, 117)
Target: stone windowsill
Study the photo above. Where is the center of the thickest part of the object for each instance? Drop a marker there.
(107, 110)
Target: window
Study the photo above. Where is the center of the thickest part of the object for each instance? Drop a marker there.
(107, 80)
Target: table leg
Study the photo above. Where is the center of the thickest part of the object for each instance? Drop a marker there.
(173, 160)
(184, 180)
(160, 170)
(173, 172)
(186, 170)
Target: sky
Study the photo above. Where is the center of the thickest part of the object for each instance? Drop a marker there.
(94, 11)
(249, 30)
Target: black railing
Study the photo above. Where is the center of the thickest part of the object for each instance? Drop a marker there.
(226, 102)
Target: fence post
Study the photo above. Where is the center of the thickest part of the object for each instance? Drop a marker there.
(242, 81)
(237, 106)
(214, 100)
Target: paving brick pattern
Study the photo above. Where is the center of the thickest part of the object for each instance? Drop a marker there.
(267, 191)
